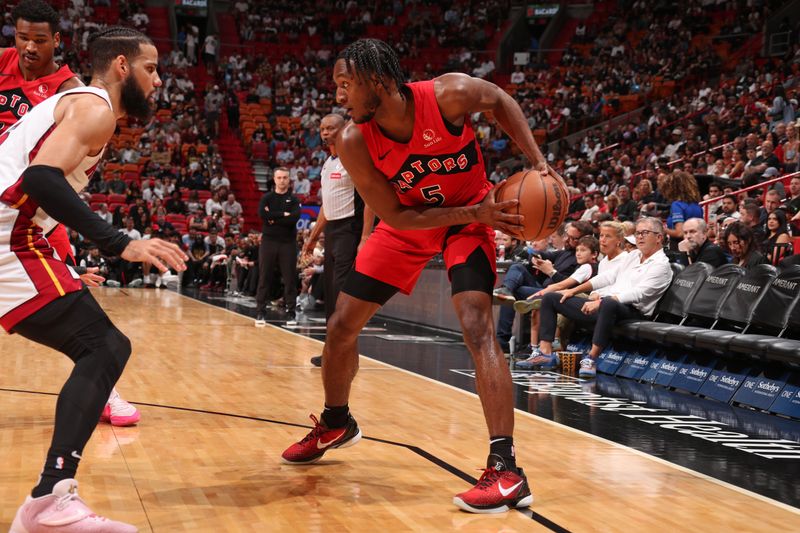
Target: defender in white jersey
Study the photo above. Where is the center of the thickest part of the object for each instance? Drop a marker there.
(347, 222)
(44, 160)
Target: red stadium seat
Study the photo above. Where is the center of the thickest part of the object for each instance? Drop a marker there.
(260, 151)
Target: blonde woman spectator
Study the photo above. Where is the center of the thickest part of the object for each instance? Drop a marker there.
(791, 149)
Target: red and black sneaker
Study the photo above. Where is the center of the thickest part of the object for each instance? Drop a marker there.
(497, 491)
(320, 440)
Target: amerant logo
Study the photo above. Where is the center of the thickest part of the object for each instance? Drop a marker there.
(784, 284)
(747, 287)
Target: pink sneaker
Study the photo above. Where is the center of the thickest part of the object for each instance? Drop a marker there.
(118, 412)
(63, 512)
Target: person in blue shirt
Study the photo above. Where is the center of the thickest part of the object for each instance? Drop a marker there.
(680, 189)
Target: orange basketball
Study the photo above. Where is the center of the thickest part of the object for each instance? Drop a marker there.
(543, 202)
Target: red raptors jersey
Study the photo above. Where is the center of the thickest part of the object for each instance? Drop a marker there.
(18, 96)
(441, 165)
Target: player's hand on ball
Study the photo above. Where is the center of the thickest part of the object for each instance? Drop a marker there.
(542, 168)
(492, 213)
(157, 252)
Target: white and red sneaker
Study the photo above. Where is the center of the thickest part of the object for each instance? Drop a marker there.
(320, 440)
(63, 512)
(497, 491)
(118, 412)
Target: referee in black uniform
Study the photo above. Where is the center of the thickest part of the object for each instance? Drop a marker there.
(279, 210)
(344, 217)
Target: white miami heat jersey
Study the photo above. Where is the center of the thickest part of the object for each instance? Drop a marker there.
(31, 274)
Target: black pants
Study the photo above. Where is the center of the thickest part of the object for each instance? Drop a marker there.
(341, 245)
(76, 326)
(283, 255)
(610, 312)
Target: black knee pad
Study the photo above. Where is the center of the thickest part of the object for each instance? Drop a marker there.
(118, 350)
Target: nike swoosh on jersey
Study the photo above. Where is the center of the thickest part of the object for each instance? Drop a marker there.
(322, 445)
(382, 157)
(506, 491)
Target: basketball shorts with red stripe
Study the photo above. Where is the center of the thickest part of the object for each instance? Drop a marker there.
(392, 260)
(29, 280)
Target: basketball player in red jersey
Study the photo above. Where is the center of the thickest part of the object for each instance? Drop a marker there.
(413, 157)
(45, 158)
(28, 76)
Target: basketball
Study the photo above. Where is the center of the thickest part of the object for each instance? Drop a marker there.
(543, 202)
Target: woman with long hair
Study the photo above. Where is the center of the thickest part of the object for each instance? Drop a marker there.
(680, 189)
(739, 243)
(791, 149)
(736, 168)
(778, 235)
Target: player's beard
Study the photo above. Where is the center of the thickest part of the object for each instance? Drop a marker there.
(133, 100)
(371, 105)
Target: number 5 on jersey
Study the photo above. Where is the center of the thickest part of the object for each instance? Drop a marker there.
(433, 194)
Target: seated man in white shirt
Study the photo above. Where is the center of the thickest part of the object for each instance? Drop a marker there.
(627, 292)
(612, 235)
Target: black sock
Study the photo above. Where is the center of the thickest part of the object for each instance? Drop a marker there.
(504, 447)
(61, 464)
(335, 416)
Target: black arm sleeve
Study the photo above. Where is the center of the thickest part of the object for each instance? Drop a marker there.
(48, 187)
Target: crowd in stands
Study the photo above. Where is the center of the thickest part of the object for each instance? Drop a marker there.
(166, 177)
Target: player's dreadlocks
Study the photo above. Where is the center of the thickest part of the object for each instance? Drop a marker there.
(373, 57)
(114, 41)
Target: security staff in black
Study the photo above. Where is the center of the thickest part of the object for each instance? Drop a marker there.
(279, 210)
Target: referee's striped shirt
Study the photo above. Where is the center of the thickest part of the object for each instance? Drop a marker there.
(339, 197)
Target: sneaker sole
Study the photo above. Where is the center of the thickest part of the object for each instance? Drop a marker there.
(527, 501)
(125, 421)
(261, 323)
(346, 444)
(536, 367)
(526, 306)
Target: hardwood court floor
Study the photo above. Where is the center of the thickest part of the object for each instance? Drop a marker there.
(221, 399)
